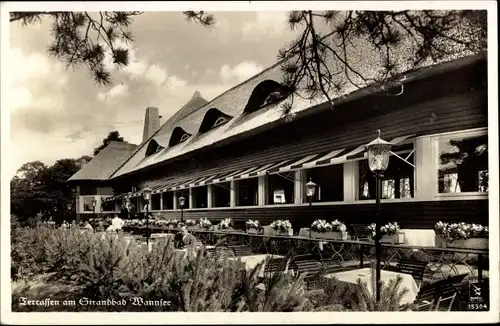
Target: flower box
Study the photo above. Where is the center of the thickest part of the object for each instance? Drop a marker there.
(252, 231)
(439, 242)
(281, 233)
(398, 238)
(328, 235)
(471, 243)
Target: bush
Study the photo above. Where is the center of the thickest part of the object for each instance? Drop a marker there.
(68, 265)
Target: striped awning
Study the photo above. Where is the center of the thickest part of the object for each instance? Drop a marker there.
(115, 197)
(187, 184)
(323, 159)
(360, 152)
(301, 163)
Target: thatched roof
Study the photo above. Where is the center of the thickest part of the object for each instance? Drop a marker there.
(232, 103)
(102, 166)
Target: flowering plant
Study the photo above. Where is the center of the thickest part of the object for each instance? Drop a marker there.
(321, 226)
(338, 226)
(225, 223)
(281, 225)
(252, 224)
(173, 222)
(160, 222)
(460, 231)
(205, 223)
(190, 222)
(388, 229)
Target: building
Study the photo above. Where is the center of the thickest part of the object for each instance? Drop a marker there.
(237, 156)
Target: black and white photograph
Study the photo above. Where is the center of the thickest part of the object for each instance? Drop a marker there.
(314, 159)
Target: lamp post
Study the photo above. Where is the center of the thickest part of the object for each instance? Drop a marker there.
(68, 206)
(94, 203)
(146, 194)
(310, 191)
(378, 161)
(182, 201)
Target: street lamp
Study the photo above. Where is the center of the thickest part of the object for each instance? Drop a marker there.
(94, 203)
(310, 190)
(182, 201)
(378, 161)
(146, 194)
(68, 206)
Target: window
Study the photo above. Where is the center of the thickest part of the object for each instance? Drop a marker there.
(87, 204)
(200, 197)
(281, 189)
(153, 148)
(213, 118)
(247, 192)
(108, 206)
(219, 121)
(397, 181)
(221, 193)
(168, 200)
(329, 183)
(155, 202)
(463, 164)
(266, 93)
(184, 194)
(178, 136)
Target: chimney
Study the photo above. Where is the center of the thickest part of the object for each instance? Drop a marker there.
(151, 123)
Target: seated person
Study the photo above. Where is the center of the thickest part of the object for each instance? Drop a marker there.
(117, 223)
(183, 238)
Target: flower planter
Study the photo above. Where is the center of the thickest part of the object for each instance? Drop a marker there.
(281, 233)
(471, 243)
(328, 235)
(439, 242)
(252, 231)
(398, 238)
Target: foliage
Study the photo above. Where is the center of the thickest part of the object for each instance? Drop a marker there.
(225, 224)
(281, 225)
(65, 264)
(388, 229)
(205, 223)
(326, 63)
(38, 188)
(253, 224)
(460, 231)
(112, 136)
(324, 226)
(391, 294)
(93, 39)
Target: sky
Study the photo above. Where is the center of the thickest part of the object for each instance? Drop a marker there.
(57, 113)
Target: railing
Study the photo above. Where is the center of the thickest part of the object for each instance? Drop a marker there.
(350, 253)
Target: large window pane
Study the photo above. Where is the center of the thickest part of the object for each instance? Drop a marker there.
(155, 202)
(329, 181)
(200, 197)
(221, 193)
(87, 204)
(168, 200)
(248, 192)
(397, 181)
(281, 188)
(463, 164)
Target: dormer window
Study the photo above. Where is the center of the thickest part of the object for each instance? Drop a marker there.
(212, 119)
(219, 122)
(178, 136)
(153, 148)
(266, 93)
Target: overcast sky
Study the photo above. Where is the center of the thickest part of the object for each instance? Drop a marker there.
(58, 113)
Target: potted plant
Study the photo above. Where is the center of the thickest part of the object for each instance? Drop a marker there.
(253, 226)
(205, 224)
(225, 224)
(172, 224)
(321, 229)
(282, 227)
(191, 224)
(390, 233)
(461, 235)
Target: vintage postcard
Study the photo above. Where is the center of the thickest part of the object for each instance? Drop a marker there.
(249, 162)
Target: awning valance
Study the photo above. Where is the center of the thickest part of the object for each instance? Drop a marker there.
(361, 150)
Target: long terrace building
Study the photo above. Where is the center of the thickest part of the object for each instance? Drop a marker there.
(237, 156)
